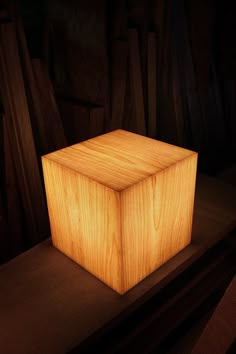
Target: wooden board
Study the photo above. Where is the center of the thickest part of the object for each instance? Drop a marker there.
(60, 305)
(138, 17)
(13, 206)
(182, 128)
(136, 84)
(152, 84)
(4, 249)
(41, 102)
(220, 331)
(96, 121)
(80, 61)
(187, 74)
(119, 20)
(76, 118)
(216, 121)
(4, 252)
(229, 103)
(200, 18)
(166, 119)
(3, 15)
(23, 147)
(118, 83)
(48, 118)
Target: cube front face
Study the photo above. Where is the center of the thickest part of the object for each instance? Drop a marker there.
(123, 227)
(85, 221)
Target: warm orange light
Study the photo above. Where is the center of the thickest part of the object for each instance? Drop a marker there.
(120, 204)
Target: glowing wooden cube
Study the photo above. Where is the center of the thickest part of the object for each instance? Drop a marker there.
(120, 204)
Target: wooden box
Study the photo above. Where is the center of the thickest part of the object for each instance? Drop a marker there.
(120, 204)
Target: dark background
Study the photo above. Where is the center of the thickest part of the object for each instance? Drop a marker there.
(196, 56)
(198, 35)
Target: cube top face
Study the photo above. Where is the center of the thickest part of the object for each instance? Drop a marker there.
(119, 159)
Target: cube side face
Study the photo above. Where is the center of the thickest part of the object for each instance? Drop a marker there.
(156, 219)
(85, 222)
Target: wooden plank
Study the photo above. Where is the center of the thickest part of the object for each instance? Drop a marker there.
(139, 18)
(216, 119)
(229, 103)
(185, 65)
(96, 121)
(76, 119)
(129, 111)
(3, 15)
(152, 84)
(80, 50)
(181, 121)
(200, 18)
(119, 81)
(166, 117)
(44, 109)
(4, 249)
(139, 124)
(119, 21)
(158, 16)
(13, 208)
(220, 331)
(23, 147)
(49, 120)
(35, 99)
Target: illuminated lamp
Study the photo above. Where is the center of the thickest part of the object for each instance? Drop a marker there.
(120, 204)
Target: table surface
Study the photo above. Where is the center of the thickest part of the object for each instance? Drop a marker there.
(49, 304)
(220, 331)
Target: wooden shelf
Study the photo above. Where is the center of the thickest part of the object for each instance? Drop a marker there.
(50, 305)
(220, 332)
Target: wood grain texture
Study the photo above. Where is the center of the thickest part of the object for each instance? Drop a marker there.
(3, 15)
(13, 204)
(187, 75)
(120, 158)
(119, 81)
(166, 118)
(152, 84)
(115, 207)
(25, 157)
(176, 89)
(49, 120)
(76, 119)
(220, 331)
(80, 59)
(41, 101)
(85, 221)
(156, 219)
(96, 121)
(139, 124)
(4, 249)
(35, 108)
(119, 19)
